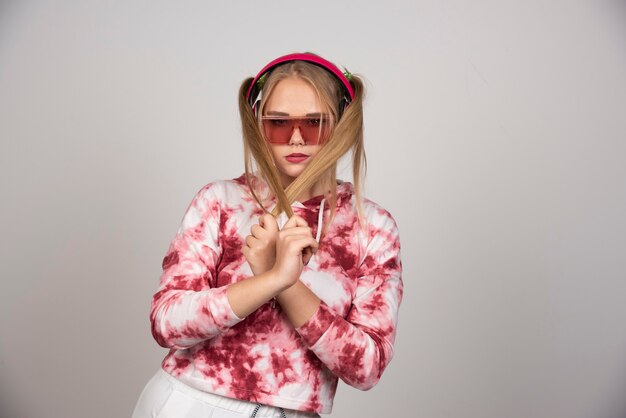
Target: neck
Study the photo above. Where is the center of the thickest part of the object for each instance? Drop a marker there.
(317, 189)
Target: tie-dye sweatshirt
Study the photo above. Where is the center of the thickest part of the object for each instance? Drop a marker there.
(262, 358)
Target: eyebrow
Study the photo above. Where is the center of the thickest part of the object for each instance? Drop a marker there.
(277, 113)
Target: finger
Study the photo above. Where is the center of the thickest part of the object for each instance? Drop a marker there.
(307, 253)
(295, 220)
(268, 222)
(298, 244)
(256, 230)
(297, 230)
(251, 241)
(301, 239)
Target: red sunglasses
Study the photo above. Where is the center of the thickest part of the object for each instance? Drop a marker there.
(279, 129)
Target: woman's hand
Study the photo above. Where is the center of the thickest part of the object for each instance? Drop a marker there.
(294, 247)
(260, 247)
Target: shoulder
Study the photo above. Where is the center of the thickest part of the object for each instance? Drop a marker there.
(378, 237)
(375, 215)
(216, 196)
(375, 210)
(381, 229)
(223, 189)
(375, 228)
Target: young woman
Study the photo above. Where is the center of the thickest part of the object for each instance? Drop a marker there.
(285, 279)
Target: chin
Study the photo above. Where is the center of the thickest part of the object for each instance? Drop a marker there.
(288, 176)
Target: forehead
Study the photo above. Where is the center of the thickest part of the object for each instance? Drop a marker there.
(293, 96)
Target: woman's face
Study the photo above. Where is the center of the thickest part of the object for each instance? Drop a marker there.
(293, 97)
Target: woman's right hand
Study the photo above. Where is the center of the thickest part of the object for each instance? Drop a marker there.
(260, 246)
(294, 247)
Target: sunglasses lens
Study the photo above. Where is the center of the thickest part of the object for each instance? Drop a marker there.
(314, 130)
(279, 130)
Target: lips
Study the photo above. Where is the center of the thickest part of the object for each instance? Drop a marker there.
(296, 157)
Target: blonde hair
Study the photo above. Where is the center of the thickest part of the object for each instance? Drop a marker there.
(346, 133)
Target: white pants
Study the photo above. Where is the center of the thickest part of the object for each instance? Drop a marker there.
(167, 397)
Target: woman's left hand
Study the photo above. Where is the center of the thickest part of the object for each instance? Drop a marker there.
(260, 246)
(294, 247)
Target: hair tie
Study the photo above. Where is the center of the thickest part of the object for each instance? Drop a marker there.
(261, 81)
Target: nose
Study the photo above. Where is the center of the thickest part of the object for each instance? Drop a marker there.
(296, 137)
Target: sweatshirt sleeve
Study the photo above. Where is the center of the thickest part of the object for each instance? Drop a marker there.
(358, 348)
(186, 309)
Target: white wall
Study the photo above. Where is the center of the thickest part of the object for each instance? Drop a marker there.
(495, 134)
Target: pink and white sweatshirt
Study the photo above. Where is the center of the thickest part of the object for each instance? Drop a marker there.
(263, 358)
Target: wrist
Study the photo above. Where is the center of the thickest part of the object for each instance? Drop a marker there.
(299, 303)
(289, 290)
(273, 278)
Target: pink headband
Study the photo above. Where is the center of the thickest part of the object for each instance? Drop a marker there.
(254, 89)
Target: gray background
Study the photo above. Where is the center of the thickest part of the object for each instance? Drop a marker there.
(495, 135)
